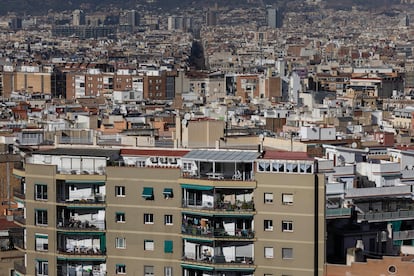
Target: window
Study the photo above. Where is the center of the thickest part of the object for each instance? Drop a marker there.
(148, 193)
(120, 269)
(149, 245)
(168, 271)
(148, 270)
(287, 253)
(119, 191)
(120, 243)
(40, 192)
(168, 246)
(148, 218)
(268, 252)
(120, 217)
(42, 242)
(287, 226)
(287, 199)
(268, 198)
(168, 193)
(42, 268)
(41, 217)
(268, 225)
(168, 219)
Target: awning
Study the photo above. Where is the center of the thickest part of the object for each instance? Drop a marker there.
(148, 192)
(198, 267)
(168, 191)
(41, 236)
(194, 239)
(79, 232)
(95, 182)
(85, 259)
(197, 187)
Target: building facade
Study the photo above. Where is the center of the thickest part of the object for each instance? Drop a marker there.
(170, 212)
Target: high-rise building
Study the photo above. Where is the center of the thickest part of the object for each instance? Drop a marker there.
(274, 18)
(211, 18)
(130, 18)
(170, 212)
(78, 18)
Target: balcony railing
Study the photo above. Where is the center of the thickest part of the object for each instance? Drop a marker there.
(219, 259)
(236, 176)
(386, 216)
(18, 241)
(216, 233)
(73, 224)
(338, 212)
(247, 206)
(17, 192)
(19, 217)
(20, 267)
(403, 235)
(91, 199)
(93, 251)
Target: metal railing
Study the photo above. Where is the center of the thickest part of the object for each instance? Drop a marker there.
(17, 192)
(219, 205)
(217, 233)
(386, 216)
(403, 235)
(338, 212)
(219, 259)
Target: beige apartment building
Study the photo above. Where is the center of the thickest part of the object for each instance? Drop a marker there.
(89, 211)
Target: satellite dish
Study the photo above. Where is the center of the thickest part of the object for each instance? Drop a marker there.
(187, 116)
(184, 122)
(354, 145)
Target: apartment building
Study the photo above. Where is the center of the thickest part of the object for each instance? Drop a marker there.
(170, 212)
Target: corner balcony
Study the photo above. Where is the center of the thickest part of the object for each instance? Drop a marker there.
(19, 217)
(19, 194)
(20, 268)
(333, 213)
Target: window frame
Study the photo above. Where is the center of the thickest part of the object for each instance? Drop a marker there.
(41, 266)
(120, 191)
(148, 273)
(42, 193)
(41, 214)
(286, 197)
(120, 269)
(168, 219)
(287, 253)
(268, 225)
(267, 250)
(168, 271)
(120, 242)
(41, 241)
(148, 218)
(268, 198)
(149, 245)
(120, 217)
(287, 226)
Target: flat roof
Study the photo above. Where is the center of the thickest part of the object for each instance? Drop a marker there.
(223, 155)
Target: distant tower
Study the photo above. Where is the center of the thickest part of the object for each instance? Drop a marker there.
(274, 18)
(211, 18)
(407, 20)
(78, 18)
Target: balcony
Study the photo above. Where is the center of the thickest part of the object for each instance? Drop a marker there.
(18, 193)
(91, 199)
(19, 217)
(338, 213)
(83, 268)
(240, 261)
(79, 225)
(386, 216)
(376, 192)
(81, 244)
(220, 206)
(217, 233)
(403, 235)
(20, 267)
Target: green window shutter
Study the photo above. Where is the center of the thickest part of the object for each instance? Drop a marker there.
(168, 246)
